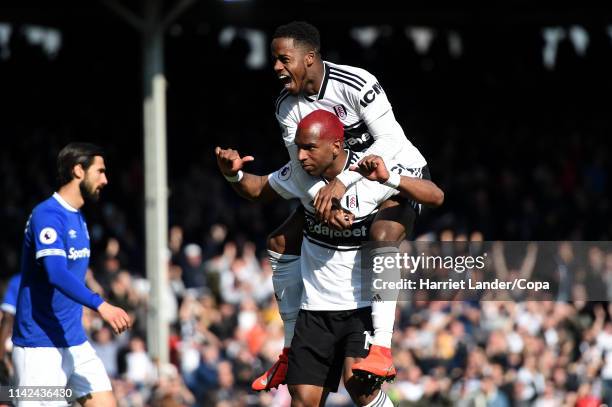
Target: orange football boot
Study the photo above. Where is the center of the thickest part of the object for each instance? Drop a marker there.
(378, 365)
(274, 376)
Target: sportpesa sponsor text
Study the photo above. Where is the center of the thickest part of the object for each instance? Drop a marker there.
(74, 254)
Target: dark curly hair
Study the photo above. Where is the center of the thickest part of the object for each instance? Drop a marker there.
(302, 33)
(73, 154)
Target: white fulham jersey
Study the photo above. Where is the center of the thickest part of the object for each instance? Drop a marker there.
(331, 260)
(356, 97)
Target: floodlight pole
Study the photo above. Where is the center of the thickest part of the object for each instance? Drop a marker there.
(156, 178)
(152, 26)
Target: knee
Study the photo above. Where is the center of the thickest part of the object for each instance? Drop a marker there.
(285, 242)
(276, 243)
(295, 395)
(301, 398)
(387, 232)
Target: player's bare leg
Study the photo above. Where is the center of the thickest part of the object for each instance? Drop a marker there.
(364, 393)
(98, 399)
(308, 395)
(284, 253)
(392, 223)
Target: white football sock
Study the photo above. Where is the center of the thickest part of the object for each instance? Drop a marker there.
(381, 400)
(288, 287)
(384, 302)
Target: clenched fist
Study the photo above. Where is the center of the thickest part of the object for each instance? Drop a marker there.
(373, 168)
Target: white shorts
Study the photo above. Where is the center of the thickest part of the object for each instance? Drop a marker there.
(77, 368)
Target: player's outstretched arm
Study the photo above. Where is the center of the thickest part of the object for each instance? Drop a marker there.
(423, 191)
(248, 186)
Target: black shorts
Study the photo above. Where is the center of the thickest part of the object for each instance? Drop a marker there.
(321, 341)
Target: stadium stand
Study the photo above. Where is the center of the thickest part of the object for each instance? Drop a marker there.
(522, 153)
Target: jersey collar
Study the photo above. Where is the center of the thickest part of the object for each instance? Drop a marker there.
(323, 82)
(62, 202)
(351, 158)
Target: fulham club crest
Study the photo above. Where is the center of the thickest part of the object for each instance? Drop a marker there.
(352, 202)
(340, 111)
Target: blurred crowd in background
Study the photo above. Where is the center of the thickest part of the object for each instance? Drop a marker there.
(226, 329)
(521, 151)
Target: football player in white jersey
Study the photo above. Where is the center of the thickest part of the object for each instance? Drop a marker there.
(330, 328)
(356, 97)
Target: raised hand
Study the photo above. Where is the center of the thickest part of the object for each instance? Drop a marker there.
(230, 162)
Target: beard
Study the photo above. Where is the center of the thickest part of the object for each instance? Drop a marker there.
(89, 192)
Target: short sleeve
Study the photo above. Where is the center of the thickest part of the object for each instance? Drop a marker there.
(285, 181)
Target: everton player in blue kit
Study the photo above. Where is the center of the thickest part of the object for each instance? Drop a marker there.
(48, 331)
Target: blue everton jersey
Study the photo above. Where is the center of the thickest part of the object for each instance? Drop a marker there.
(45, 316)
